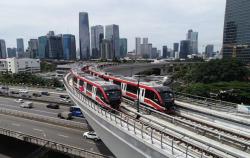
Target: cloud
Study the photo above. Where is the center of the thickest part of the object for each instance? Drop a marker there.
(163, 21)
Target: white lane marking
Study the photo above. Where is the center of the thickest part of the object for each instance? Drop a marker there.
(64, 136)
(35, 129)
(15, 124)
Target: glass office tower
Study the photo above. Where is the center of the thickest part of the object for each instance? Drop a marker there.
(236, 40)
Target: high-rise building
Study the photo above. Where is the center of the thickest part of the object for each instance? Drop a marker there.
(146, 48)
(176, 47)
(165, 52)
(184, 49)
(209, 51)
(33, 48)
(11, 52)
(112, 34)
(69, 47)
(107, 49)
(43, 47)
(193, 38)
(55, 47)
(20, 47)
(84, 38)
(138, 46)
(236, 41)
(123, 47)
(154, 53)
(2, 49)
(97, 35)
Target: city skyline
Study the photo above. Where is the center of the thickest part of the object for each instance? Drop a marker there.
(171, 28)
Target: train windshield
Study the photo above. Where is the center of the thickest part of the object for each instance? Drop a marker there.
(167, 95)
(114, 94)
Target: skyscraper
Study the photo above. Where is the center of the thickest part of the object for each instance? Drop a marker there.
(236, 40)
(43, 47)
(69, 47)
(106, 49)
(123, 47)
(20, 47)
(97, 35)
(54, 47)
(112, 34)
(209, 51)
(11, 52)
(154, 53)
(184, 49)
(2, 49)
(138, 46)
(164, 52)
(33, 48)
(176, 47)
(193, 38)
(84, 38)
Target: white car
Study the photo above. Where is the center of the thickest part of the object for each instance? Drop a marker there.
(23, 91)
(91, 135)
(19, 101)
(65, 100)
(28, 105)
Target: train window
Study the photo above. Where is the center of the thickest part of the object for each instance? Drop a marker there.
(81, 83)
(89, 87)
(117, 82)
(152, 96)
(132, 89)
(99, 94)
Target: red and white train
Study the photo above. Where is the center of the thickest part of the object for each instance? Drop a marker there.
(106, 94)
(158, 97)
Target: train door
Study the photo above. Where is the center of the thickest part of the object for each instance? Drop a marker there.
(94, 92)
(78, 83)
(142, 95)
(124, 88)
(85, 87)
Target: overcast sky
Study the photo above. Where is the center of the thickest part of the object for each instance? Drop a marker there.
(162, 21)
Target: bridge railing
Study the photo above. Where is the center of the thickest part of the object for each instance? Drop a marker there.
(51, 144)
(156, 135)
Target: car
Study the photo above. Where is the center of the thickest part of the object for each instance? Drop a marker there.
(62, 96)
(19, 101)
(45, 93)
(5, 88)
(53, 106)
(36, 95)
(14, 92)
(27, 105)
(23, 91)
(59, 89)
(65, 115)
(65, 100)
(91, 135)
(25, 96)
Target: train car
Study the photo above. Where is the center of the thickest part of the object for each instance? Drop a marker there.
(152, 95)
(106, 94)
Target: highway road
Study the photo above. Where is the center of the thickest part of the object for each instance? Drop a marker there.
(39, 108)
(55, 133)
